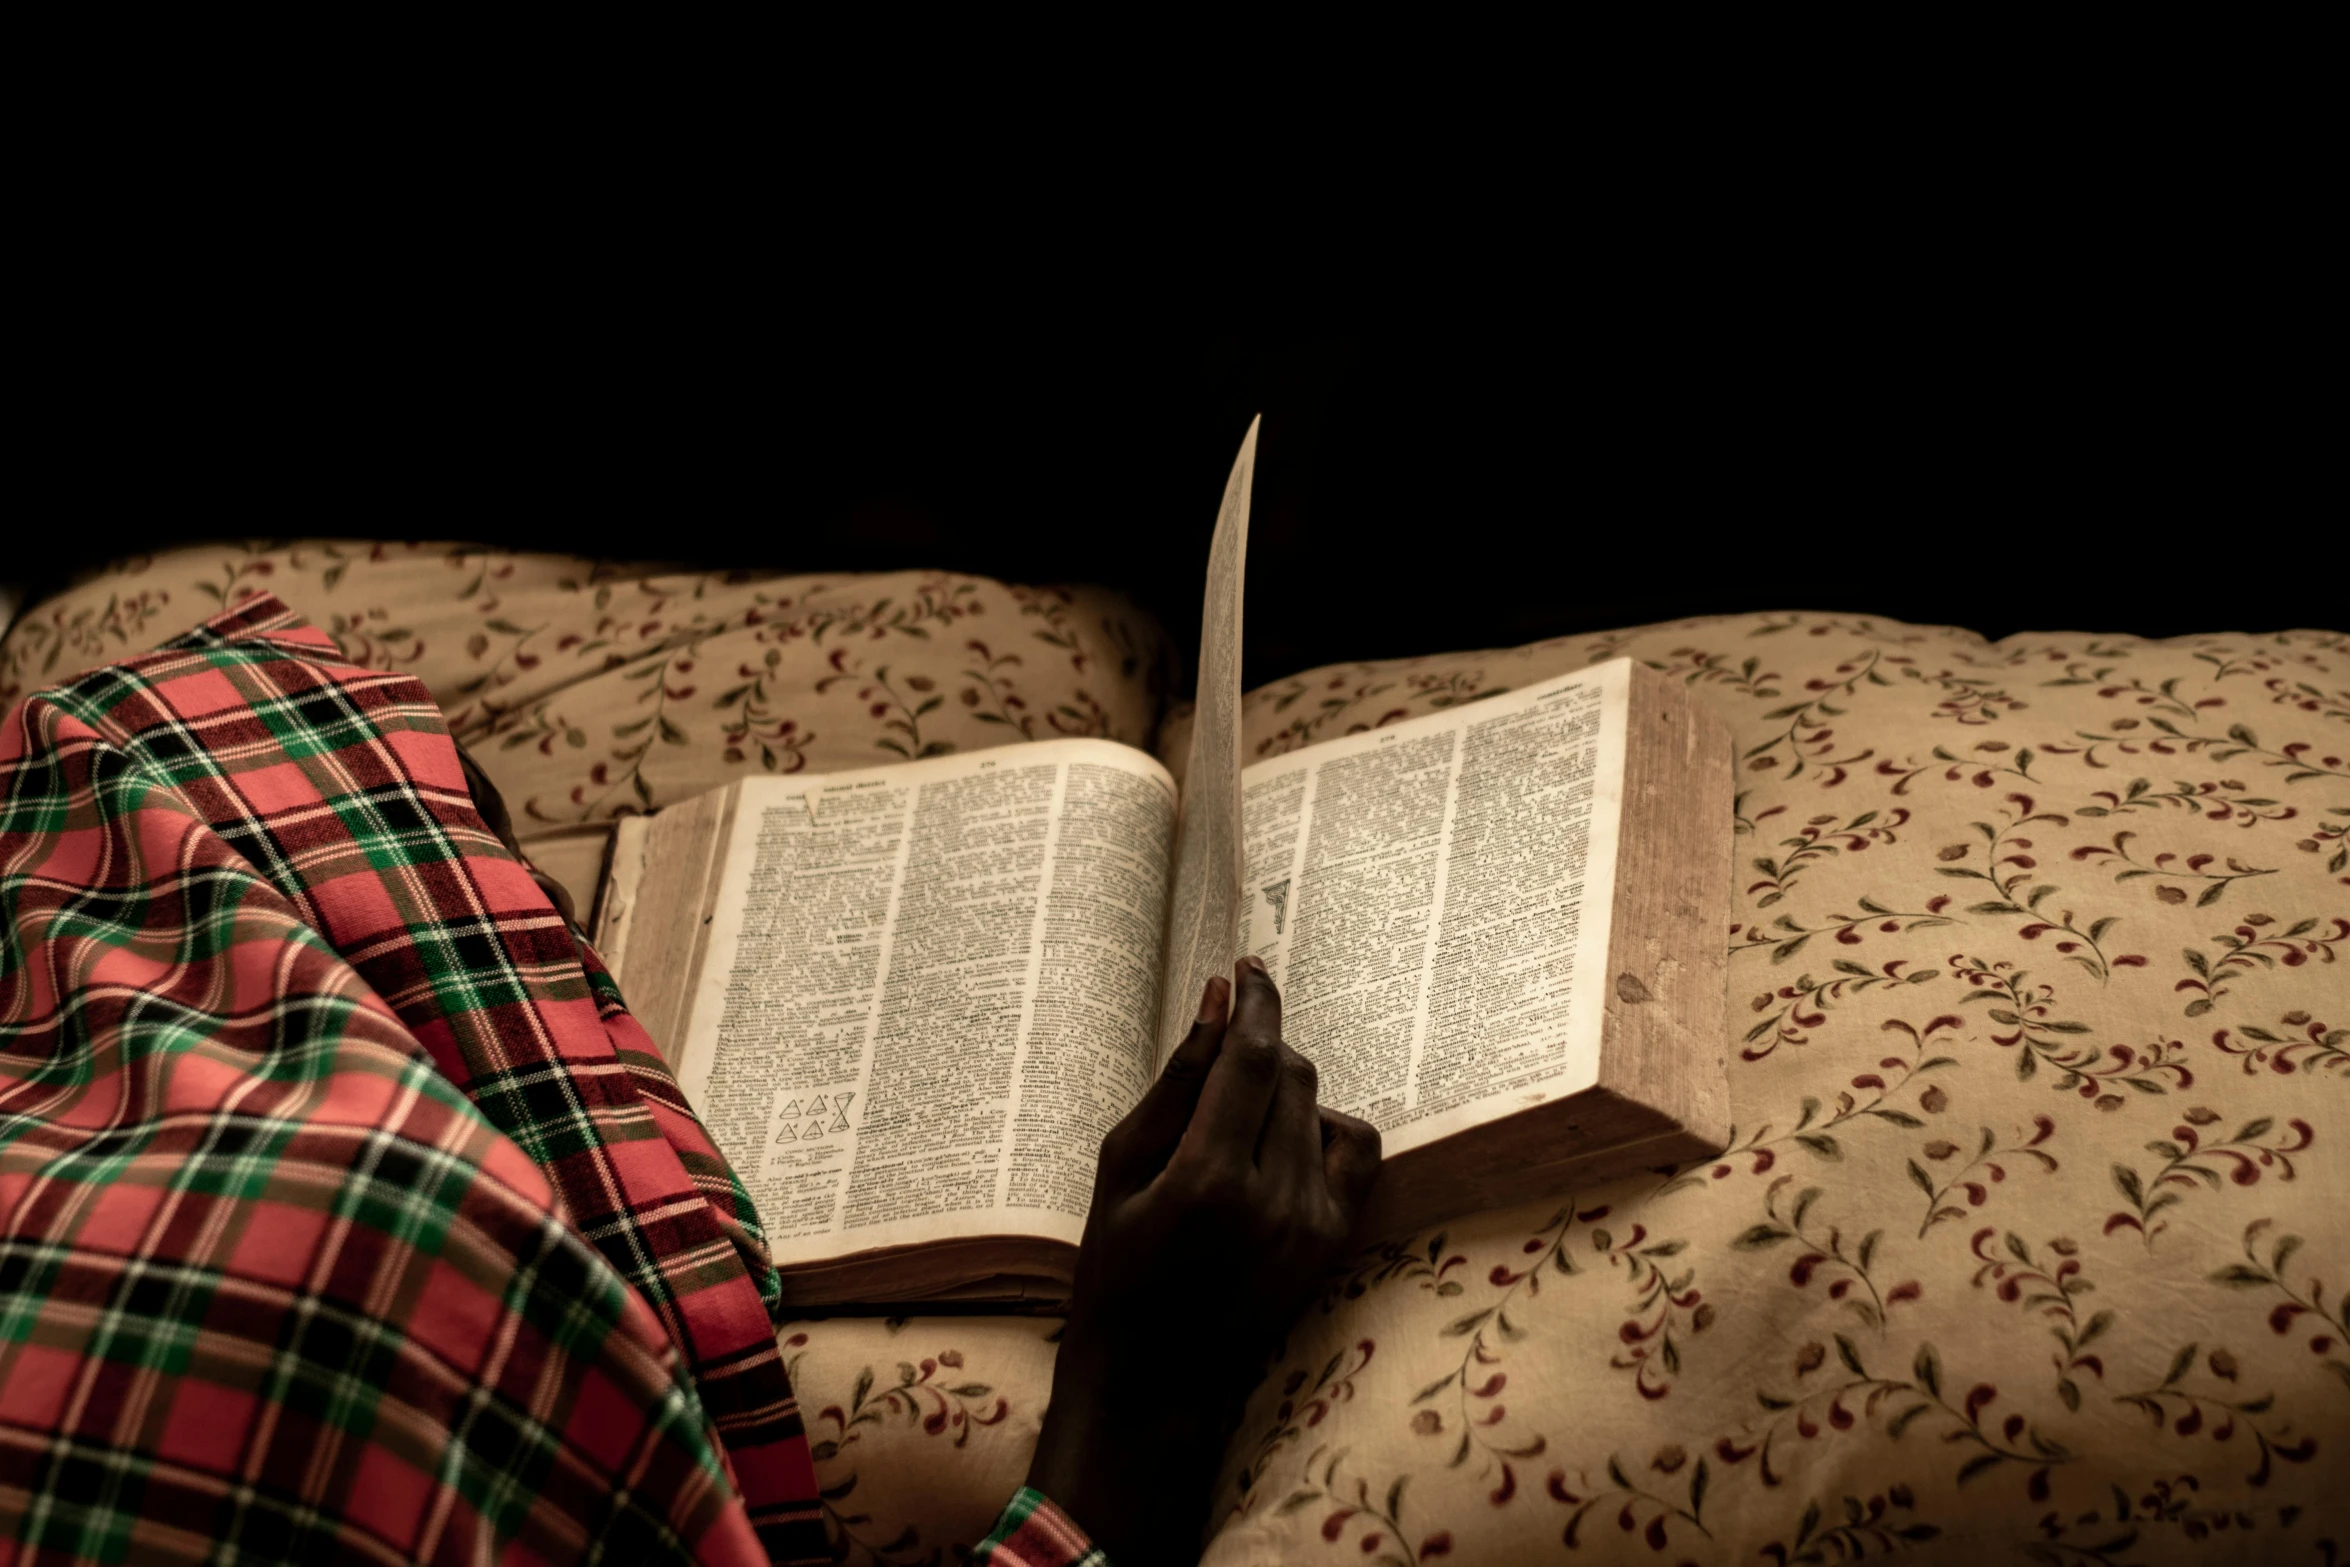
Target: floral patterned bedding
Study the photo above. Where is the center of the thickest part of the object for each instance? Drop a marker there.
(588, 689)
(2033, 1238)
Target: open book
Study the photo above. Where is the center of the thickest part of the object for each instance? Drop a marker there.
(908, 1002)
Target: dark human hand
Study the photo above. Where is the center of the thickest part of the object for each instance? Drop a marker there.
(1218, 1206)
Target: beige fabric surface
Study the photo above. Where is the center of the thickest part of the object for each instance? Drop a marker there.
(921, 1427)
(590, 689)
(2033, 1240)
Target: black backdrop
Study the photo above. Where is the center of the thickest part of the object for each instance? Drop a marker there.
(2046, 346)
(1447, 463)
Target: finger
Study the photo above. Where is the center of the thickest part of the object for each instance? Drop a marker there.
(1350, 1161)
(1142, 1142)
(1239, 1089)
(1290, 1150)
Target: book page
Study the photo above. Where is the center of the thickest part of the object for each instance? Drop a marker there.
(1203, 913)
(1433, 900)
(930, 991)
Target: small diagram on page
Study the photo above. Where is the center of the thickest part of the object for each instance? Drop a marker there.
(814, 1117)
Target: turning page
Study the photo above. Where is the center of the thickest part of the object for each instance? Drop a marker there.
(929, 992)
(1203, 921)
(1434, 901)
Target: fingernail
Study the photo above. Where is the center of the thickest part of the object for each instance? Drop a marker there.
(1253, 963)
(1211, 1000)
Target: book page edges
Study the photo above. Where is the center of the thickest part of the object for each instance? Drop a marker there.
(616, 896)
(1546, 1150)
(1004, 1270)
(1665, 1032)
(1662, 1092)
(654, 918)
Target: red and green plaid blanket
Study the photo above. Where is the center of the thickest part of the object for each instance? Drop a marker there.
(348, 1215)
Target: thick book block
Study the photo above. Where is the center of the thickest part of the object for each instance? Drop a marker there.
(1662, 1094)
(1499, 932)
(910, 1002)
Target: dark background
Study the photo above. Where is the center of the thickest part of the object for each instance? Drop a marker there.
(2060, 416)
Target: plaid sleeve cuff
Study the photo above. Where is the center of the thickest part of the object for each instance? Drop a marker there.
(1034, 1533)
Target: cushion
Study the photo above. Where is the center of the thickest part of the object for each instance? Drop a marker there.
(588, 690)
(2032, 1237)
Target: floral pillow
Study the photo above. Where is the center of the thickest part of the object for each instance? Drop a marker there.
(589, 690)
(2031, 1242)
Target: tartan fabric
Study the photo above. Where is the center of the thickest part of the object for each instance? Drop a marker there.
(1034, 1533)
(346, 1211)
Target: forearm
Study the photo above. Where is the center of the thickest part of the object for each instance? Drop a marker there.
(1220, 1201)
(1131, 1452)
